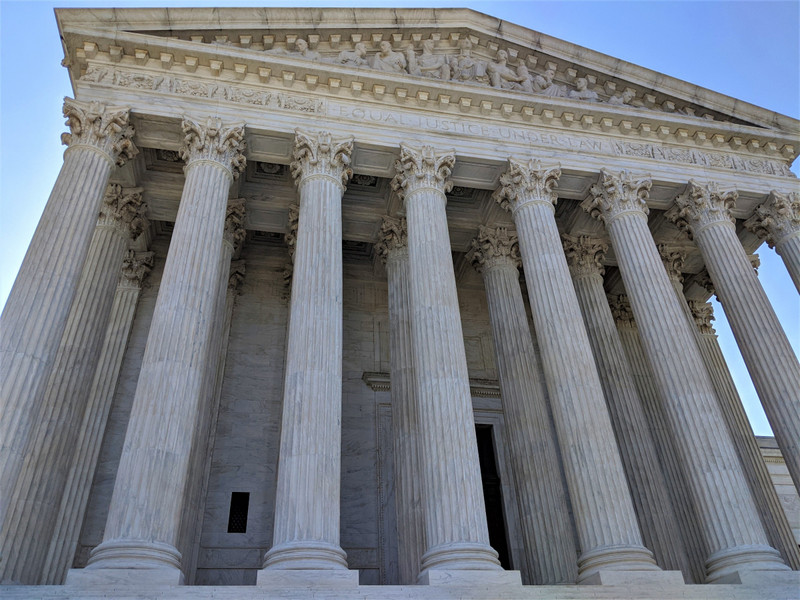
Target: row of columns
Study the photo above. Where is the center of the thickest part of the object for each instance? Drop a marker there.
(593, 405)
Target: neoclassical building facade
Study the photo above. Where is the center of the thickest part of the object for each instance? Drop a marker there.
(394, 303)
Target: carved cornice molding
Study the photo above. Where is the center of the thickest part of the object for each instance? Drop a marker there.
(234, 232)
(494, 247)
(393, 240)
(102, 128)
(700, 206)
(135, 267)
(527, 183)
(421, 168)
(777, 219)
(616, 194)
(215, 142)
(621, 310)
(318, 154)
(123, 210)
(703, 314)
(673, 259)
(584, 255)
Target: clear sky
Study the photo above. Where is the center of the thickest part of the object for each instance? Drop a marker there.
(749, 50)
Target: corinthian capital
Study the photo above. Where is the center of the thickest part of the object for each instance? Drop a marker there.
(135, 267)
(703, 314)
(101, 127)
(234, 223)
(699, 206)
(321, 155)
(621, 309)
(524, 183)
(776, 219)
(123, 210)
(394, 237)
(494, 247)
(236, 276)
(615, 194)
(213, 141)
(420, 168)
(584, 255)
(673, 259)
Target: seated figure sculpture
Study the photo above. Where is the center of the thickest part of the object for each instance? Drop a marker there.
(582, 91)
(544, 84)
(503, 76)
(388, 60)
(357, 57)
(465, 68)
(428, 64)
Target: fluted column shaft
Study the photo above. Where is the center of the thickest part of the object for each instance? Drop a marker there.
(37, 494)
(36, 312)
(98, 404)
(778, 222)
(732, 528)
(766, 350)
(546, 528)
(405, 418)
(456, 532)
(145, 513)
(306, 531)
(604, 515)
(648, 486)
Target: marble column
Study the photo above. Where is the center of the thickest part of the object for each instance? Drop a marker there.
(135, 267)
(778, 222)
(649, 489)
(306, 531)
(653, 408)
(456, 533)
(608, 532)
(541, 496)
(36, 311)
(771, 510)
(36, 496)
(728, 515)
(145, 513)
(393, 250)
(704, 212)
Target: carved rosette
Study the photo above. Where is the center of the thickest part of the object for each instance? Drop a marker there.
(236, 276)
(317, 154)
(703, 314)
(673, 259)
(584, 255)
(525, 183)
(776, 219)
(494, 247)
(105, 129)
(700, 206)
(394, 238)
(124, 211)
(621, 309)
(234, 233)
(212, 141)
(135, 267)
(423, 168)
(616, 194)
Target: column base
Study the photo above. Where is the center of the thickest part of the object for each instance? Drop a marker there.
(763, 578)
(305, 578)
(305, 556)
(471, 578)
(610, 577)
(733, 564)
(458, 556)
(630, 559)
(133, 562)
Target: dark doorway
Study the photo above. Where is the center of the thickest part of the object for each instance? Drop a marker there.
(492, 494)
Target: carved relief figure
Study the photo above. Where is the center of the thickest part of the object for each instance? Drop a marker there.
(582, 91)
(503, 76)
(544, 84)
(357, 57)
(622, 99)
(389, 60)
(464, 67)
(302, 50)
(428, 64)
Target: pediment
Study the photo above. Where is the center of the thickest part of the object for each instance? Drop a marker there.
(445, 57)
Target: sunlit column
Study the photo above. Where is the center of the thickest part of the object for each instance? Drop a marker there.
(778, 222)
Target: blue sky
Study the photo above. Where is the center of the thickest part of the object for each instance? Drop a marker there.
(749, 50)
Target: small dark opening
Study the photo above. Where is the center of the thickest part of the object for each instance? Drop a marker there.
(237, 517)
(492, 494)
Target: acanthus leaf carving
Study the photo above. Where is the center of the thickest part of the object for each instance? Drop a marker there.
(621, 310)
(615, 194)
(703, 314)
(236, 276)
(234, 233)
(393, 238)
(584, 255)
(423, 167)
(212, 140)
(700, 206)
(523, 183)
(776, 219)
(104, 128)
(124, 210)
(494, 247)
(319, 154)
(135, 267)
(673, 259)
